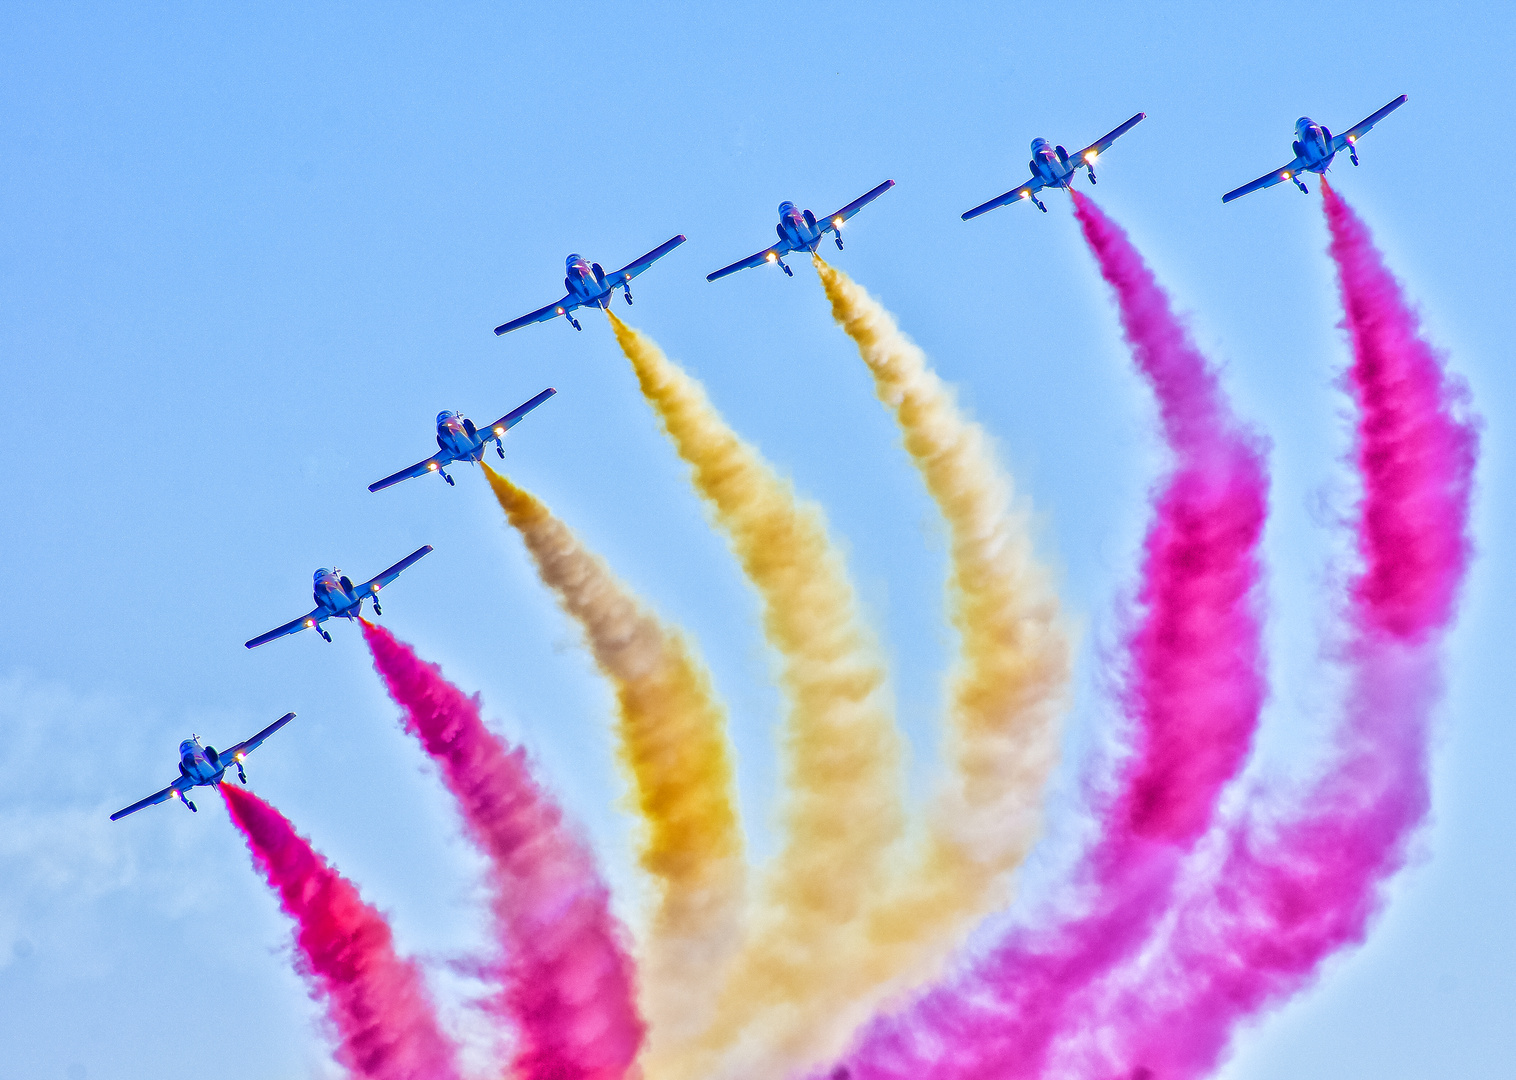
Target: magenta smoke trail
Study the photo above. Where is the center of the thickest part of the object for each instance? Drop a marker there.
(376, 1002)
(1289, 893)
(567, 975)
(1193, 689)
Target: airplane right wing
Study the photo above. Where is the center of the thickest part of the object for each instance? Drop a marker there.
(1102, 144)
(1025, 191)
(772, 254)
(1360, 129)
(247, 746)
(180, 786)
(540, 315)
(836, 220)
(512, 418)
(374, 584)
(294, 626)
(636, 266)
(1278, 176)
(421, 468)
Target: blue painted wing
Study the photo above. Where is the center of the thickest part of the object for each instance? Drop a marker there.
(374, 584)
(1362, 128)
(1278, 176)
(1102, 144)
(1025, 191)
(512, 418)
(180, 786)
(552, 311)
(294, 626)
(836, 220)
(772, 254)
(636, 266)
(247, 746)
(421, 468)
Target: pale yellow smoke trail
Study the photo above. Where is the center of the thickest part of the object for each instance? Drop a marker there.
(672, 739)
(842, 813)
(1010, 686)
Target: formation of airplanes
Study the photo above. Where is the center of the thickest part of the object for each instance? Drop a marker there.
(586, 284)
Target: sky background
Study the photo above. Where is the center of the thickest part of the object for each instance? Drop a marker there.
(247, 253)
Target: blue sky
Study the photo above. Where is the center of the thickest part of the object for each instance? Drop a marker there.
(247, 255)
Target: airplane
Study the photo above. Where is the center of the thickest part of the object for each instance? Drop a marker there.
(1053, 167)
(1315, 147)
(590, 286)
(460, 440)
(202, 766)
(338, 598)
(801, 230)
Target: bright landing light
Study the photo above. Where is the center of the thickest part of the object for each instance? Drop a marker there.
(1091, 156)
(433, 466)
(837, 222)
(772, 257)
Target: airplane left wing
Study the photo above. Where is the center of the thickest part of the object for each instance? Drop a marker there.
(512, 418)
(636, 266)
(1025, 191)
(1360, 129)
(247, 746)
(1102, 144)
(542, 314)
(180, 786)
(773, 254)
(1278, 176)
(836, 220)
(421, 468)
(374, 584)
(294, 626)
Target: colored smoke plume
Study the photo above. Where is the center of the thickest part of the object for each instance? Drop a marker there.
(671, 731)
(568, 985)
(1010, 684)
(843, 811)
(1192, 688)
(1290, 890)
(376, 1003)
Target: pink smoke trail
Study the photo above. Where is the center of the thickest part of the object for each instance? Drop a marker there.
(1192, 694)
(568, 979)
(376, 1002)
(1287, 894)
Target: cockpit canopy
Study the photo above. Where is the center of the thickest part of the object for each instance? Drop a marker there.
(319, 574)
(572, 259)
(1303, 123)
(1038, 144)
(786, 206)
(186, 747)
(445, 414)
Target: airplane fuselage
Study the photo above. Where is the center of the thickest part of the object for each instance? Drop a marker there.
(456, 435)
(201, 763)
(1052, 164)
(585, 282)
(1313, 145)
(798, 227)
(334, 594)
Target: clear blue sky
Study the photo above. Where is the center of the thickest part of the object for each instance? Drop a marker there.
(248, 252)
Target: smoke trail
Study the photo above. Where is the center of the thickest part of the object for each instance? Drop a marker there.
(672, 733)
(376, 1002)
(1289, 893)
(568, 982)
(843, 813)
(1193, 688)
(1012, 674)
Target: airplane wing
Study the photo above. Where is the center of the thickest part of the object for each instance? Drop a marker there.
(1026, 190)
(771, 254)
(1278, 176)
(247, 746)
(292, 627)
(512, 418)
(636, 266)
(853, 207)
(374, 584)
(1102, 144)
(431, 464)
(540, 315)
(180, 785)
(1360, 129)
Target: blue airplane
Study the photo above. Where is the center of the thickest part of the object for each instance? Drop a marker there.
(460, 440)
(1053, 167)
(202, 766)
(1315, 147)
(801, 230)
(590, 286)
(338, 598)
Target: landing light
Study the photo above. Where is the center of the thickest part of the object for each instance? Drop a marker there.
(433, 466)
(1285, 175)
(1091, 155)
(560, 311)
(310, 622)
(374, 587)
(837, 222)
(500, 431)
(173, 793)
(240, 756)
(1352, 138)
(772, 257)
(1026, 194)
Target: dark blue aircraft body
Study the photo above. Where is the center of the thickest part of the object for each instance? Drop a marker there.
(801, 230)
(459, 440)
(590, 286)
(202, 766)
(338, 598)
(1315, 147)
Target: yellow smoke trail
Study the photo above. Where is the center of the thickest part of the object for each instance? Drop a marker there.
(672, 740)
(1010, 686)
(842, 814)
